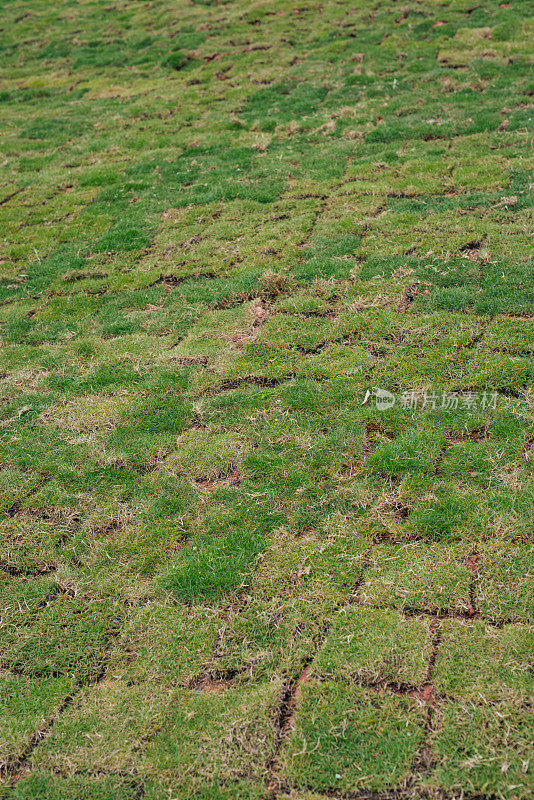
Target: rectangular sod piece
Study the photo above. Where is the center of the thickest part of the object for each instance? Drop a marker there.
(484, 749)
(346, 737)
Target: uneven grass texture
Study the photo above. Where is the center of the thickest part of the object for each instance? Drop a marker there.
(225, 572)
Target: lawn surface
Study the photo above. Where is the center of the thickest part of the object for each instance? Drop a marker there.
(227, 571)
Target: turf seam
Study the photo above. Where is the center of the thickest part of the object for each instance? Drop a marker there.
(290, 692)
(16, 507)
(473, 565)
(15, 767)
(466, 615)
(26, 572)
(8, 197)
(424, 759)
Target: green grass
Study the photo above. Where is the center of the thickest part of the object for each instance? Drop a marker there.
(225, 572)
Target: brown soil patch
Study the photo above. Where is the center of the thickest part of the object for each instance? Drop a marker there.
(407, 297)
(286, 719)
(260, 314)
(425, 694)
(233, 478)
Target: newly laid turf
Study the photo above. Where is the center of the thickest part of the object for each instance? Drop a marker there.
(266, 430)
